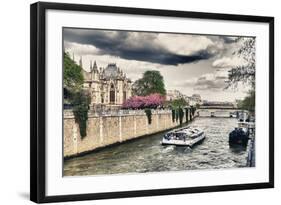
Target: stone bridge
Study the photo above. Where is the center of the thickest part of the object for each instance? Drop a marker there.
(216, 111)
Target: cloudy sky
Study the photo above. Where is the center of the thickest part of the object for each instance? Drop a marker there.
(189, 63)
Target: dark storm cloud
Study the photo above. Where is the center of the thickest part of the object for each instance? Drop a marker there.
(224, 39)
(206, 84)
(221, 78)
(228, 39)
(203, 83)
(132, 46)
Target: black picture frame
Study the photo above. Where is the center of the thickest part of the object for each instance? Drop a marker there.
(38, 100)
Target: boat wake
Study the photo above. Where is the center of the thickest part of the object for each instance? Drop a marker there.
(168, 149)
(187, 150)
(183, 149)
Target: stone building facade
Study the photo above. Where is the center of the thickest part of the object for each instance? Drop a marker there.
(108, 87)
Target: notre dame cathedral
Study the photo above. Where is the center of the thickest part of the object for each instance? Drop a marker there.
(109, 87)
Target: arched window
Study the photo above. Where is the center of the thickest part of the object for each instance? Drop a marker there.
(112, 94)
(125, 91)
(102, 98)
(124, 96)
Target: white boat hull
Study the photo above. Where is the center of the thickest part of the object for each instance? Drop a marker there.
(188, 142)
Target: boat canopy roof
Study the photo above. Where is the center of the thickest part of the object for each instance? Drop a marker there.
(185, 131)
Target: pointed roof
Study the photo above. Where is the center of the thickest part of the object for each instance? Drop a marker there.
(111, 71)
(95, 64)
(80, 62)
(94, 67)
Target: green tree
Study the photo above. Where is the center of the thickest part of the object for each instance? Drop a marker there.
(72, 74)
(151, 82)
(186, 114)
(175, 104)
(193, 109)
(173, 115)
(148, 115)
(248, 103)
(244, 73)
(181, 114)
(177, 115)
(81, 101)
(78, 98)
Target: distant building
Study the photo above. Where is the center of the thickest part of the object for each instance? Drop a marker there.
(236, 103)
(196, 98)
(191, 100)
(219, 104)
(108, 86)
(173, 95)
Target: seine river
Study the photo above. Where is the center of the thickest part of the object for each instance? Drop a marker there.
(148, 155)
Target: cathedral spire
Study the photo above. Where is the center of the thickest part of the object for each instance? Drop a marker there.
(80, 62)
(95, 64)
(95, 67)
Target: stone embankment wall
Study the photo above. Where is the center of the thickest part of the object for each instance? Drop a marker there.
(114, 127)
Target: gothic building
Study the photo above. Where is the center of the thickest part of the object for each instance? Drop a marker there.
(108, 87)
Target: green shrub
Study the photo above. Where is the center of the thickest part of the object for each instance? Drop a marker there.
(177, 115)
(173, 115)
(186, 114)
(181, 114)
(148, 115)
(80, 102)
(73, 93)
(193, 109)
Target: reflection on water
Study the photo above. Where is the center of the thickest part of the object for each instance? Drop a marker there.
(148, 155)
(236, 149)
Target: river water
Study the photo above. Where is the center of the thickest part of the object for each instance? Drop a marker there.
(148, 155)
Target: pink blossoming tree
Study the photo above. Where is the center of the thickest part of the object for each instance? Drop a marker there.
(140, 102)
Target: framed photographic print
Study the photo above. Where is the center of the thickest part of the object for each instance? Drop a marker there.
(129, 102)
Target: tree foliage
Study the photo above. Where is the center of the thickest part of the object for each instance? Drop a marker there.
(244, 73)
(148, 115)
(181, 102)
(151, 82)
(173, 115)
(73, 91)
(248, 103)
(72, 74)
(140, 102)
(81, 101)
(192, 110)
(186, 114)
(181, 114)
(177, 115)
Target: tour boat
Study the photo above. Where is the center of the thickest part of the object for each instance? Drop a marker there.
(239, 135)
(233, 114)
(246, 124)
(186, 136)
